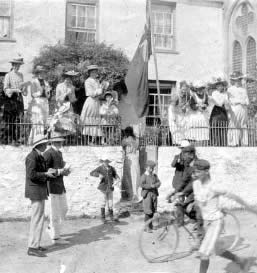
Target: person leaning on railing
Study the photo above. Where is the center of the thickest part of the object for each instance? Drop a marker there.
(14, 89)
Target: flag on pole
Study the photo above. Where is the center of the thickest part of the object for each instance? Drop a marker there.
(137, 77)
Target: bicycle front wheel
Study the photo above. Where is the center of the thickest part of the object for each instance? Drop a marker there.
(160, 244)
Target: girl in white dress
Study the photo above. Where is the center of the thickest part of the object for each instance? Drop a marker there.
(39, 107)
(238, 113)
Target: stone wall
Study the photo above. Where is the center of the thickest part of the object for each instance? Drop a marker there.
(232, 168)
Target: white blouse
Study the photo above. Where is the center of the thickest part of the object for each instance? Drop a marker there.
(93, 87)
(238, 95)
(219, 98)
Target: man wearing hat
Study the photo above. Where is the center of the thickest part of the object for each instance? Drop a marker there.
(56, 188)
(150, 184)
(14, 88)
(237, 111)
(36, 190)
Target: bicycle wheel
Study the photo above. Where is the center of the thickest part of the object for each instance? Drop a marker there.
(230, 234)
(160, 245)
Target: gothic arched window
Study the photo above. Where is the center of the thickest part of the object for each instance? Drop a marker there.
(251, 66)
(237, 56)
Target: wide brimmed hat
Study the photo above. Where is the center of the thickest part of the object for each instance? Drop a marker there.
(150, 163)
(71, 73)
(56, 137)
(93, 67)
(105, 160)
(39, 139)
(202, 165)
(39, 68)
(108, 94)
(17, 61)
(218, 81)
(237, 75)
(184, 143)
(199, 84)
(189, 149)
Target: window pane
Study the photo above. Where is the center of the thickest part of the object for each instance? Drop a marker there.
(4, 27)
(81, 16)
(168, 23)
(91, 37)
(72, 22)
(5, 7)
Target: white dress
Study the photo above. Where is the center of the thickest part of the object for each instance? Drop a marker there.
(198, 121)
(39, 107)
(90, 113)
(237, 132)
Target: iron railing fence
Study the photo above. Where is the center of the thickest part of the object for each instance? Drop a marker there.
(108, 132)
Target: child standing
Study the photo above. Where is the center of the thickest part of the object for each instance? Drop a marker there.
(207, 199)
(107, 174)
(150, 184)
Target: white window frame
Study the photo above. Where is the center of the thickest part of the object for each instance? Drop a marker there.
(9, 37)
(172, 8)
(76, 28)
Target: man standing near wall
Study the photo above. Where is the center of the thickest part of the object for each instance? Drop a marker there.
(36, 190)
(58, 201)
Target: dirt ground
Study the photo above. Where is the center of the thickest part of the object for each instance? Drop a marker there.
(97, 248)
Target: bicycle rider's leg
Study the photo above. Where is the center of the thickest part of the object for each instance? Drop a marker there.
(242, 262)
(204, 265)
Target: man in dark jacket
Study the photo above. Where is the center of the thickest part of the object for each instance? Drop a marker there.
(36, 190)
(56, 188)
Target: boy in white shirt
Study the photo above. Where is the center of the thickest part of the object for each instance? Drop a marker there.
(207, 198)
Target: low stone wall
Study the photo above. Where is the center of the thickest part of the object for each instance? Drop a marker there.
(233, 169)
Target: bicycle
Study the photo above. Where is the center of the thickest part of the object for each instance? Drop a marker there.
(162, 243)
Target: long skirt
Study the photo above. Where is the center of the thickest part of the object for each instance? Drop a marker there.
(39, 111)
(90, 117)
(178, 127)
(237, 128)
(218, 124)
(131, 176)
(198, 126)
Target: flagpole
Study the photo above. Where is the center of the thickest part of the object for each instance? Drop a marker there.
(155, 60)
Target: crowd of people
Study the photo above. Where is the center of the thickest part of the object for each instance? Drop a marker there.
(219, 117)
(100, 107)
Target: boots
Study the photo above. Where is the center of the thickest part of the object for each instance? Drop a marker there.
(103, 215)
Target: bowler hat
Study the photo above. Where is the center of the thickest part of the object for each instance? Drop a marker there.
(39, 139)
(150, 163)
(17, 61)
(202, 164)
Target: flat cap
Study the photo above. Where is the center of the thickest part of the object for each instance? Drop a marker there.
(201, 164)
(150, 163)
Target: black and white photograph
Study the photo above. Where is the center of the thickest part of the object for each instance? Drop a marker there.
(128, 136)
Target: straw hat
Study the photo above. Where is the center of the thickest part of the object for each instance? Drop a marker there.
(104, 159)
(184, 143)
(93, 67)
(199, 84)
(39, 139)
(17, 61)
(56, 137)
(71, 73)
(39, 68)
(218, 81)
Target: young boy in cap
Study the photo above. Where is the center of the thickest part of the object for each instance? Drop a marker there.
(107, 174)
(207, 198)
(150, 184)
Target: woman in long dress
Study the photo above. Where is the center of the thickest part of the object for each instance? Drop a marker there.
(90, 116)
(198, 122)
(238, 113)
(131, 168)
(39, 106)
(178, 114)
(219, 116)
(64, 118)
